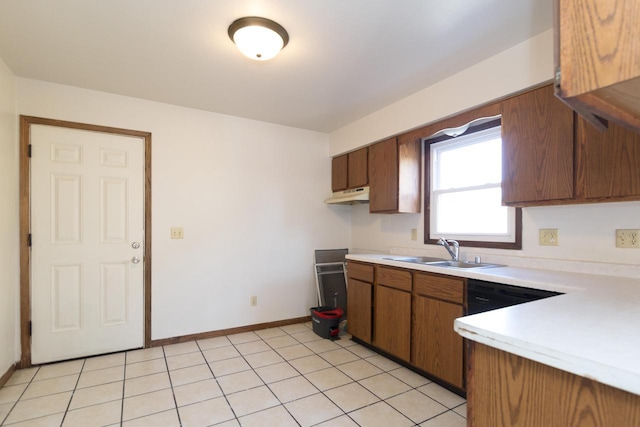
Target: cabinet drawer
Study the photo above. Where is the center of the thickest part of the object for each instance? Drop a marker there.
(399, 279)
(359, 271)
(444, 288)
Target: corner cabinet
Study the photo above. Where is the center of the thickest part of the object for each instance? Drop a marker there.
(608, 163)
(552, 156)
(350, 170)
(394, 176)
(598, 59)
(537, 148)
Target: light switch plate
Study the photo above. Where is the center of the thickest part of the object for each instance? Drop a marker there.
(548, 237)
(414, 234)
(177, 233)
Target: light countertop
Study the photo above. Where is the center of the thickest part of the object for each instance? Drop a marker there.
(593, 330)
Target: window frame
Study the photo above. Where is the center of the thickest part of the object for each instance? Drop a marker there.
(516, 245)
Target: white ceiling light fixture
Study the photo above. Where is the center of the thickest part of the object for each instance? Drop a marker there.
(258, 38)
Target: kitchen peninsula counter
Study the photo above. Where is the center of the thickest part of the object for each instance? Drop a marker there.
(592, 331)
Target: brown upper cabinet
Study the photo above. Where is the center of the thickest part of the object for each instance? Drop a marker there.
(350, 170)
(608, 163)
(537, 148)
(598, 59)
(394, 175)
(541, 144)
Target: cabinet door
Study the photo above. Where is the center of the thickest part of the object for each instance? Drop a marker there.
(608, 162)
(339, 173)
(599, 60)
(359, 301)
(383, 176)
(393, 321)
(357, 168)
(537, 148)
(435, 347)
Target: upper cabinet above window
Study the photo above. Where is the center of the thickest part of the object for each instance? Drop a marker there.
(598, 59)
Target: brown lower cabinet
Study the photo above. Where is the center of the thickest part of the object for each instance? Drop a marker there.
(360, 300)
(435, 347)
(505, 390)
(410, 317)
(393, 321)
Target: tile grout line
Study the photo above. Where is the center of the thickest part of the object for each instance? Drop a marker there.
(270, 348)
(235, 417)
(263, 381)
(19, 397)
(124, 382)
(73, 392)
(175, 401)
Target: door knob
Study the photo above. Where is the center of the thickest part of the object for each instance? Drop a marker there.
(135, 245)
(135, 259)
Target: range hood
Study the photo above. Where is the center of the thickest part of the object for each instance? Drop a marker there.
(350, 197)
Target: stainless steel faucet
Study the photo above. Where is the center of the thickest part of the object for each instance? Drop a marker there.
(452, 246)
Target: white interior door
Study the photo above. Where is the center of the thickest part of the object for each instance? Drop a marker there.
(87, 228)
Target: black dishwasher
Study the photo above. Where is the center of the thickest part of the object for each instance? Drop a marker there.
(484, 296)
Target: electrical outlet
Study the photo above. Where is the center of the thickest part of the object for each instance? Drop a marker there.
(177, 233)
(548, 237)
(414, 234)
(628, 238)
(254, 300)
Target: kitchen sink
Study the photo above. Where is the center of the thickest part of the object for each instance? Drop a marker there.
(440, 262)
(464, 264)
(416, 260)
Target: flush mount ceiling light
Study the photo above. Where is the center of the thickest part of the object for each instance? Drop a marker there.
(258, 38)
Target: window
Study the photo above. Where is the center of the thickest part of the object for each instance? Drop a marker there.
(466, 196)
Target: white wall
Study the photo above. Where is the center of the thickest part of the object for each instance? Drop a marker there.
(524, 65)
(586, 232)
(9, 221)
(248, 194)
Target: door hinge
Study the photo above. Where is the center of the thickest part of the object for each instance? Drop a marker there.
(29, 150)
(29, 239)
(30, 327)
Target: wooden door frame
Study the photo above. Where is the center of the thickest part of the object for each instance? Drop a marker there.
(25, 199)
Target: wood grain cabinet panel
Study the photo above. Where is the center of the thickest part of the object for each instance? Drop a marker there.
(359, 307)
(394, 278)
(350, 170)
(537, 148)
(598, 58)
(339, 173)
(608, 162)
(445, 288)
(505, 390)
(383, 176)
(394, 176)
(363, 272)
(392, 320)
(435, 347)
(357, 170)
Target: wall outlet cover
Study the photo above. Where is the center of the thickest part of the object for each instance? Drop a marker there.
(548, 237)
(628, 238)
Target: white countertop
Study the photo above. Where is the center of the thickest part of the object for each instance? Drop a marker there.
(593, 330)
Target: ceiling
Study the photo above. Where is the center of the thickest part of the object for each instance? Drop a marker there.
(345, 59)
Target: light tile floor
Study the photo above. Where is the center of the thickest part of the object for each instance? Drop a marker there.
(284, 376)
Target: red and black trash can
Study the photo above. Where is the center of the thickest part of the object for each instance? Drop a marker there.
(326, 321)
